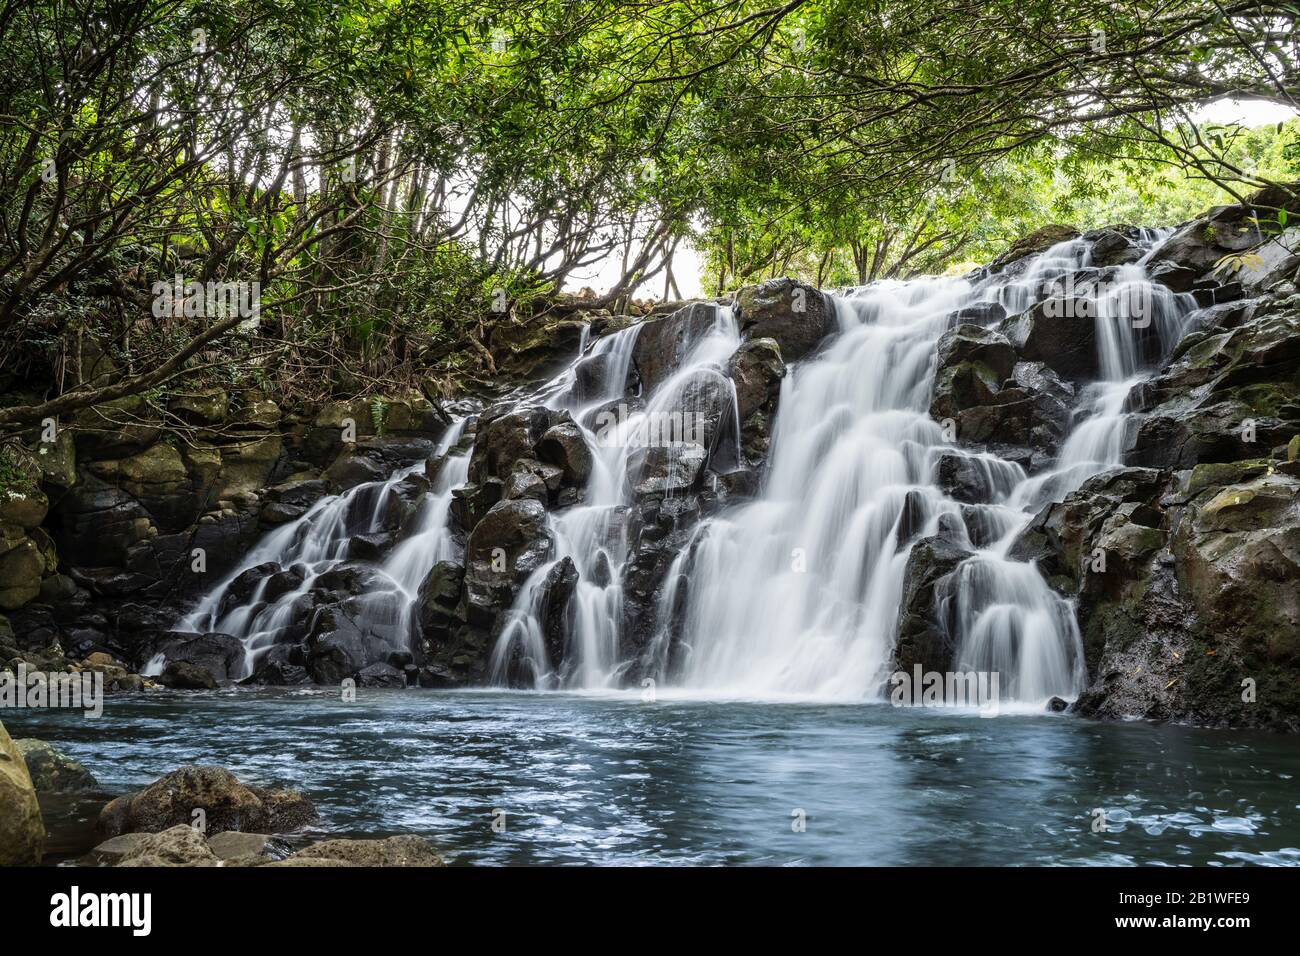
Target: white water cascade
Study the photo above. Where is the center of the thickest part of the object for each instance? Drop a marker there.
(797, 590)
(318, 541)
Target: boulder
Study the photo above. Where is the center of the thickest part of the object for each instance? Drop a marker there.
(1040, 240)
(662, 343)
(226, 803)
(757, 369)
(22, 832)
(504, 437)
(508, 544)
(180, 845)
(794, 315)
(564, 446)
(1059, 333)
(923, 635)
(393, 851)
(53, 771)
(670, 468)
(202, 660)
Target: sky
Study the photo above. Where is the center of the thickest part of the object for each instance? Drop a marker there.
(687, 265)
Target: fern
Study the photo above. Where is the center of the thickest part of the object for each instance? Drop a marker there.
(377, 409)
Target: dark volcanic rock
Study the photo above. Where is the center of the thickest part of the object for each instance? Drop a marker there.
(796, 316)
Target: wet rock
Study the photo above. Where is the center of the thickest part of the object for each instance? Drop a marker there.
(667, 469)
(371, 547)
(1059, 332)
(558, 588)
(564, 446)
(350, 470)
(508, 544)
(226, 803)
(1037, 241)
(182, 675)
(292, 499)
(381, 675)
(393, 851)
(204, 660)
(975, 478)
(22, 832)
(663, 343)
(924, 636)
(1114, 245)
(795, 315)
(439, 595)
(53, 771)
(179, 845)
(504, 437)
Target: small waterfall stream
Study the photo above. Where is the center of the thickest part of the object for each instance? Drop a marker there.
(796, 591)
(318, 541)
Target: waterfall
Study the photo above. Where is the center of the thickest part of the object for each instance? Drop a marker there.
(318, 541)
(797, 590)
(594, 534)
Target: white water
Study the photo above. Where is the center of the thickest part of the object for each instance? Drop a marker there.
(796, 592)
(318, 542)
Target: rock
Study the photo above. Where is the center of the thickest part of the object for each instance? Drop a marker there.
(756, 368)
(1194, 250)
(1057, 706)
(203, 660)
(227, 805)
(438, 597)
(53, 771)
(1113, 245)
(662, 343)
(180, 845)
(381, 675)
(350, 470)
(504, 438)
(564, 446)
(182, 675)
(976, 478)
(233, 845)
(666, 469)
(21, 571)
(371, 547)
(393, 851)
(1061, 334)
(23, 507)
(22, 832)
(111, 851)
(506, 546)
(1037, 241)
(974, 343)
(794, 315)
(1224, 396)
(924, 636)
(338, 648)
(206, 406)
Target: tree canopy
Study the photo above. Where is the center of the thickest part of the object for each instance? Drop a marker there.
(401, 178)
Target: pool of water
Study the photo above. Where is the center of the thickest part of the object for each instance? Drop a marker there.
(571, 779)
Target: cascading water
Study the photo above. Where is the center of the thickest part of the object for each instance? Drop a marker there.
(594, 535)
(318, 542)
(797, 591)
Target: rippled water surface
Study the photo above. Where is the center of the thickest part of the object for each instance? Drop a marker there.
(612, 779)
